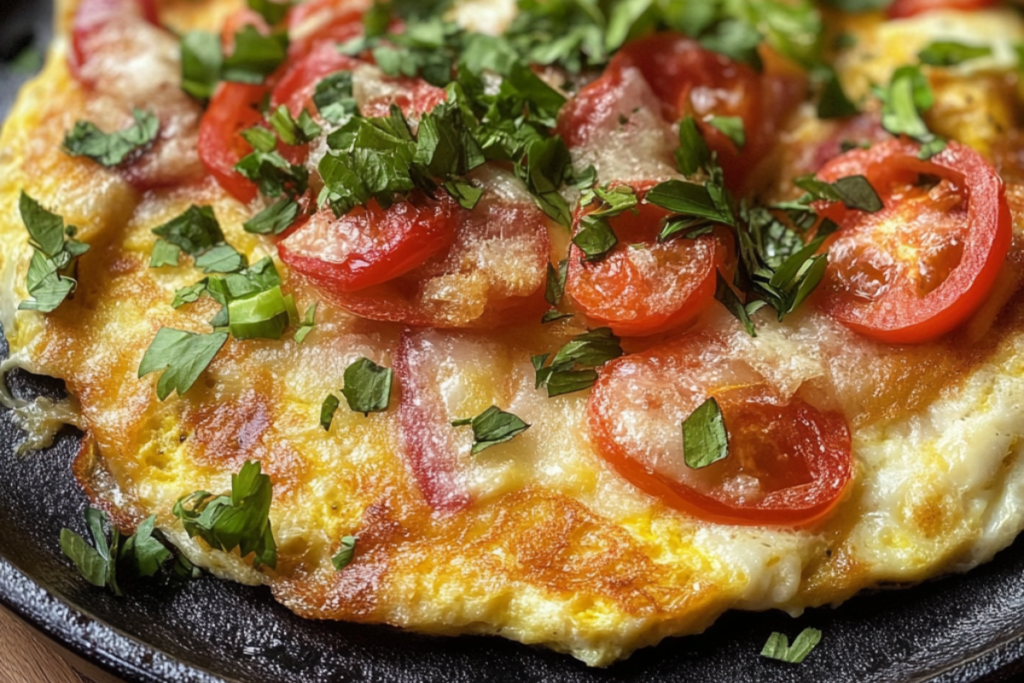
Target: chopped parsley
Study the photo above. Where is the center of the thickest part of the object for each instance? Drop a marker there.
(255, 56)
(346, 553)
(194, 231)
(306, 325)
(778, 646)
(274, 219)
(201, 62)
(951, 53)
(52, 272)
(327, 410)
(164, 254)
(573, 367)
(113, 149)
(855, 192)
(182, 356)
(492, 427)
(732, 128)
(906, 98)
(241, 520)
(705, 440)
(367, 386)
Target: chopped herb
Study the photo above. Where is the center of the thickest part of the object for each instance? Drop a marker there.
(778, 646)
(345, 553)
(306, 326)
(274, 12)
(333, 97)
(853, 191)
(555, 288)
(692, 154)
(705, 440)
(28, 61)
(732, 128)
(263, 315)
(182, 356)
(492, 427)
(146, 553)
(554, 315)
(367, 386)
(951, 53)
(201, 62)
(274, 219)
(113, 149)
(188, 295)
(255, 56)
(164, 254)
(292, 131)
(53, 269)
(222, 258)
(194, 231)
(595, 237)
(572, 368)
(903, 102)
(833, 102)
(327, 410)
(241, 520)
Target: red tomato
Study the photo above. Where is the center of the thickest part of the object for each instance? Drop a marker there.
(232, 110)
(642, 287)
(924, 263)
(908, 8)
(689, 79)
(315, 21)
(789, 463)
(93, 15)
(297, 85)
(428, 262)
(370, 245)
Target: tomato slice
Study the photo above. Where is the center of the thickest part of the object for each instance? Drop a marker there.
(922, 265)
(370, 245)
(901, 9)
(689, 79)
(430, 262)
(297, 85)
(643, 287)
(789, 462)
(233, 109)
(323, 21)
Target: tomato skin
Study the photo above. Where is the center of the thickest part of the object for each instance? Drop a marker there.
(298, 83)
(692, 80)
(618, 293)
(93, 15)
(900, 315)
(233, 109)
(314, 22)
(818, 440)
(901, 9)
(403, 237)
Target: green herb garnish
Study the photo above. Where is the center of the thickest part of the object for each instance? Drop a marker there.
(492, 427)
(113, 149)
(705, 440)
(778, 646)
(367, 386)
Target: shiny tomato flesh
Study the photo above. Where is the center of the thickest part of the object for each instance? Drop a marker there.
(92, 15)
(788, 462)
(233, 109)
(692, 80)
(370, 245)
(643, 287)
(901, 9)
(922, 265)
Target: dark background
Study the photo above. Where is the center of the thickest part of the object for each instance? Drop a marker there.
(964, 628)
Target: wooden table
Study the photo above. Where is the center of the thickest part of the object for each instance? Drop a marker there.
(29, 657)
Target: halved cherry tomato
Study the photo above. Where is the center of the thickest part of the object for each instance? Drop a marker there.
(429, 262)
(690, 79)
(789, 462)
(370, 245)
(924, 263)
(908, 8)
(233, 109)
(643, 287)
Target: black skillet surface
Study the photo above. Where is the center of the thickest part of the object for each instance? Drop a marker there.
(965, 628)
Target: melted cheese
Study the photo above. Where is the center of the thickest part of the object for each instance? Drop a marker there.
(554, 547)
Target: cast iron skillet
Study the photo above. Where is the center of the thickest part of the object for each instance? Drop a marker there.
(965, 628)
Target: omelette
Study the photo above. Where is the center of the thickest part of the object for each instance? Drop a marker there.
(573, 323)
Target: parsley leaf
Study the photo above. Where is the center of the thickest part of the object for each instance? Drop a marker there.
(113, 149)
(855, 192)
(732, 128)
(194, 231)
(201, 62)
(307, 324)
(492, 427)
(333, 97)
(367, 386)
(778, 646)
(274, 219)
(164, 254)
(327, 411)
(705, 440)
(595, 237)
(271, 10)
(184, 355)
(903, 102)
(951, 53)
(833, 102)
(346, 552)
(241, 520)
(255, 56)
(555, 288)
(572, 368)
(706, 201)
(52, 271)
(692, 154)
(292, 131)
